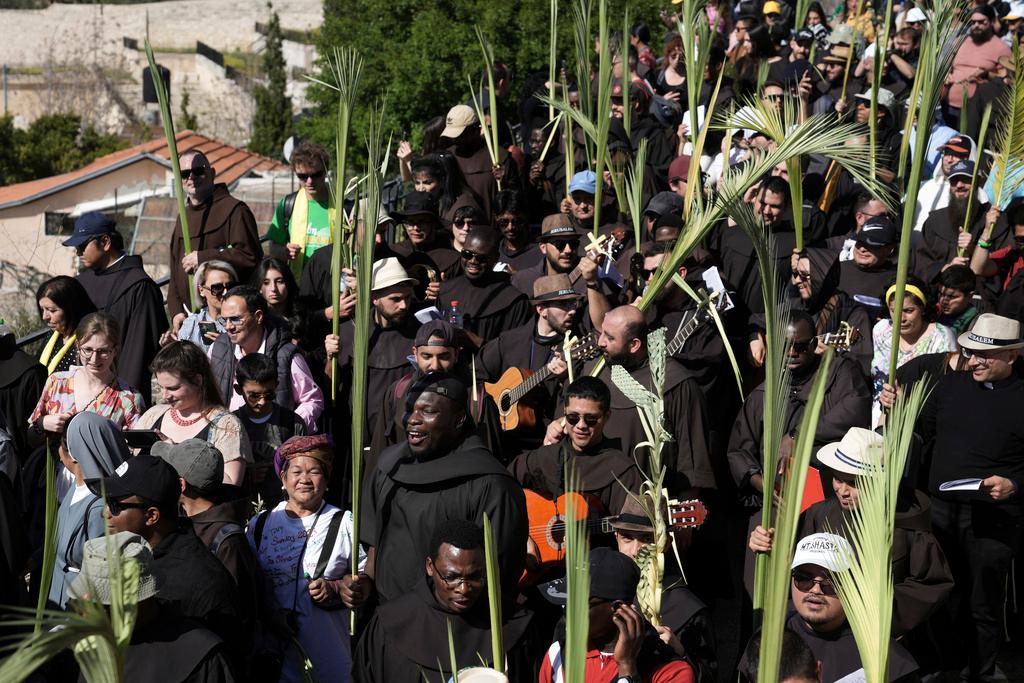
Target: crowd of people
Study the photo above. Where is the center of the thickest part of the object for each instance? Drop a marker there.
(499, 310)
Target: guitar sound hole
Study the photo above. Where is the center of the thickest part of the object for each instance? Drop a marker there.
(506, 403)
(558, 532)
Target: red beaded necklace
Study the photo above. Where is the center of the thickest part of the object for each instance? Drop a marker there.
(182, 422)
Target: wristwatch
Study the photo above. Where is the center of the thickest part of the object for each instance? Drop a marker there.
(627, 679)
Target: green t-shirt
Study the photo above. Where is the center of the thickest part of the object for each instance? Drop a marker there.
(318, 226)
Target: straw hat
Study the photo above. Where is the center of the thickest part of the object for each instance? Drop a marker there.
(93, 583)
(388, 273)
(858, 452)
(480, 674)
(992, 332)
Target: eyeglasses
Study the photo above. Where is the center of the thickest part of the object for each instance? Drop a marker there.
(195, 171)
(453, 581)
(303, 177)
(473, 256)
(89, 353)
(590, 420)
(804, 583)
(218, 289)
(982, 357)
(233, 321)
(463, 221)
(116, 507)
(560, 245)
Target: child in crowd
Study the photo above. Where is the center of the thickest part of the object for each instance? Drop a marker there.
(267, 424)
(956, 298)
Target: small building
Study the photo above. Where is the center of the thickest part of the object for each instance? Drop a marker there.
(36, 216)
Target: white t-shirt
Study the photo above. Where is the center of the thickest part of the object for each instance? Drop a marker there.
(323, 634)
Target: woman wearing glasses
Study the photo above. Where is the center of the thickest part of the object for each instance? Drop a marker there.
(92, 386)
(192, 408)
(91, 448)
(304, 549)
(62, 302)
(213, 279)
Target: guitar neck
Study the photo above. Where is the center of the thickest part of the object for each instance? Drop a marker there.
(575, 274)
(685, 333)
(529, 384)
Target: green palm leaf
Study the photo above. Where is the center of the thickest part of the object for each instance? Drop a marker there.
(1007, 171)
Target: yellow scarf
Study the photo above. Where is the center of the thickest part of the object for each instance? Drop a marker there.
(48, 359)
(297, 227)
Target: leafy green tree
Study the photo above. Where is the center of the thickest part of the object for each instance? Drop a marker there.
(272, 121)
(53, 144)
(420, 55)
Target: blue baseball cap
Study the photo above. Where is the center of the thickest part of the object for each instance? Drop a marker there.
(964, 167)
(89, 226)
(584, 181)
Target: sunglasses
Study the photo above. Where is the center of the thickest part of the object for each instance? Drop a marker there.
(116, 507)
(462, 221)
(219, 288)
(80, 249)
(502, 222)
(804, 583)
(574, 418)
(560, 245)
(303, 177)
(473, 256)
(195, 171)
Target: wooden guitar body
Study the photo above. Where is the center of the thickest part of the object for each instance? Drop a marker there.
(547, 522)
(511, 414)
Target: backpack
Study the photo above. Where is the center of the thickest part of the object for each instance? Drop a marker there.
(325, 551)
(289, 207)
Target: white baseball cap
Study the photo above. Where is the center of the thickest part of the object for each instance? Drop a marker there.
(916, 15)
(827, 551)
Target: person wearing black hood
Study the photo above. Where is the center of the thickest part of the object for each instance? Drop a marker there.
(119, 286)
(22, 379)
(482, 175)
(661, 140)
(871, 268)
(440, 472)
(481, 296)
(426, 251)
(405, 639)
(816, 280)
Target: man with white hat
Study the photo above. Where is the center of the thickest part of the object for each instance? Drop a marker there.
(463, 136)
(977, 467)
(1014, 23)
(164, 647)
(819, 618)
(922, 580)
(392, 328)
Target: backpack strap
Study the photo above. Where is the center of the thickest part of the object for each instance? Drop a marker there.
(328, 547)
(225, 532)
(289, 207)
(257, 532)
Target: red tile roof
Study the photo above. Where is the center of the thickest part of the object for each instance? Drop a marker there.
(231, 163)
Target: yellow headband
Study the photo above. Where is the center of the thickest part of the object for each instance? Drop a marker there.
(907, 289)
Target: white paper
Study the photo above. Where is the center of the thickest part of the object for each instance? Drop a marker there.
(713, 279)
(961, 485)
(427, 314)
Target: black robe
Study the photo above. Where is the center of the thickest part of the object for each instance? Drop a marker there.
(407, 640)
(527, 257)
(938, 243)
(438, 256)
(387, 361)
(476, 170)
(600, 469)
(22, 379)
(173, 650)
(127, 293)
(847, 403)
(867, 287)
(839, 656)
(688, 456)
(489, 306)
(404, 499)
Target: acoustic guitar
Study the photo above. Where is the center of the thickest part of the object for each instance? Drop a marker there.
(547, 520)
(515, 383)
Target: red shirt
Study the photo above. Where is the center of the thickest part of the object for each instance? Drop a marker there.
(1009, 261)
(601, 668)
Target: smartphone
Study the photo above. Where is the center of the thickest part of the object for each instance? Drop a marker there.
(205, 329)
(142, 438)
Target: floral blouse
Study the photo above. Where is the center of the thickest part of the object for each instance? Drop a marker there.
(118, 402)
(939, 338)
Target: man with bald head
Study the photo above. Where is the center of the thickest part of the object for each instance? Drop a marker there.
(623, 342)
(220, 227)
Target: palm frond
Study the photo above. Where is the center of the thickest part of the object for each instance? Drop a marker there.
(577, 575)
(581, 12)
(362, 322)
(494, 596)
(695, 32)
(777, 568)
(866, 589)
(635, 191)
(49, 536)
(1007, 170)
(490, 132)
(552, 55)
(603, 113)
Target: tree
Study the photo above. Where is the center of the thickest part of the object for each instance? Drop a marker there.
(272, 121)
(53, 144)
(188, 120)
(420, 55)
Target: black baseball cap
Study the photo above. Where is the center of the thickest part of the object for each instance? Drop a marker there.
(613, 576)
(437, 328)
(878, 231)
(418, 204)
(89, 226)
(145, 476)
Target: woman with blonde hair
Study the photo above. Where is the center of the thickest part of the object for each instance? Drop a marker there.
(213, 279)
